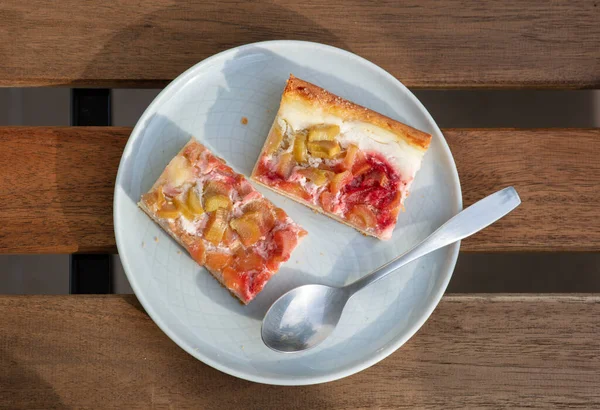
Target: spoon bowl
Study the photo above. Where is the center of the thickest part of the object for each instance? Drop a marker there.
(303, 317)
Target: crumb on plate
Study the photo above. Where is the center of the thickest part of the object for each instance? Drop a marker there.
(244, 120)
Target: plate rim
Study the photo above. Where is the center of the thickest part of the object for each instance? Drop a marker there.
(302, 380)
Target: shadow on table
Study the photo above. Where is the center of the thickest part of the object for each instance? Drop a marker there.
(216, 27)
(22, 388)
(135, 303)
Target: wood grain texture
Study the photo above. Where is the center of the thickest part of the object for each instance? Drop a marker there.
(428, 44)
(58, 190)
(474, 352)
(556, 173)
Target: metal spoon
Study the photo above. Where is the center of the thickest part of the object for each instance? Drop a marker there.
(304, 317)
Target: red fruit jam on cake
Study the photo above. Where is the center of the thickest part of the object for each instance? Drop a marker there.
(341, 159)
(224, 223)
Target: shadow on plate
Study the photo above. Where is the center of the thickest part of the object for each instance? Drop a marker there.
(258, 307)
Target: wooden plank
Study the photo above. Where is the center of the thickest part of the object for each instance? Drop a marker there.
(475, 351)
(59, 187)
(427, 44)
(555, 171)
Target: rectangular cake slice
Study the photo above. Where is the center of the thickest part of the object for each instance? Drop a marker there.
(343, 160)
(221, 220)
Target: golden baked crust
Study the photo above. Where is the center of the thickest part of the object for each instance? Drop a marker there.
(297, 89)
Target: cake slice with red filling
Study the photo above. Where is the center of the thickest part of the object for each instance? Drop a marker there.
(221, 220)
(343, 160)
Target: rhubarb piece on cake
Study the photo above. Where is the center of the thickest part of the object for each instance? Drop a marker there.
(343, 160)
(221, 220)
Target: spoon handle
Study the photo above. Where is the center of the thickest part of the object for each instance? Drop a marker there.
(465, 223)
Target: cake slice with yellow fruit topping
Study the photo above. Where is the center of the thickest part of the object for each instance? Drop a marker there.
(227, 226)
(343, 160)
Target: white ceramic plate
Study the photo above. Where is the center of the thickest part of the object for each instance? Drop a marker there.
(208, 102)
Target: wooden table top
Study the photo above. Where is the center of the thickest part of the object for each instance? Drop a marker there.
(57, 185)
